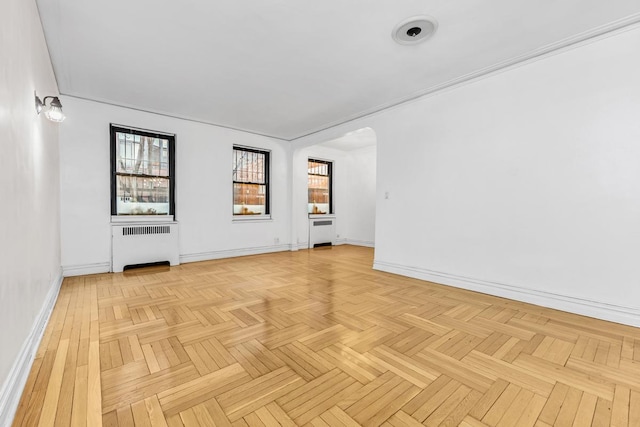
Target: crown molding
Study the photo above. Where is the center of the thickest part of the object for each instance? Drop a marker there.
(599, 33)
(173, 116)
(611, 29)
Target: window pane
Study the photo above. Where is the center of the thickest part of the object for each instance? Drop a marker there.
(142, 155)
(142, 196)
(250, 182)
(318, 168)
(142, 170)
(249, 166)
(249, 199)
(319, 185)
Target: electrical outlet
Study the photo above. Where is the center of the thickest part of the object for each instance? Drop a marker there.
(276, 240)
(337, 236)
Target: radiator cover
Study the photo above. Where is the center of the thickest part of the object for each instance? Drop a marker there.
(322, 231)
(142, 243)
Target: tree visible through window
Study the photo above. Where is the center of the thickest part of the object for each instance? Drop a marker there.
(320, 187)
(142, 168)
(250, 181)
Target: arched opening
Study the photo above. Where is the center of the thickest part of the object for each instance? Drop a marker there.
(334, 185)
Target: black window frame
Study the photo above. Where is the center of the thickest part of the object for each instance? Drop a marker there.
(267, 180)
(171, 138)
(329, 164)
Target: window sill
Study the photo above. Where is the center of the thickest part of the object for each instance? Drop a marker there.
(316, 216)
(251, 218)
(141, 218)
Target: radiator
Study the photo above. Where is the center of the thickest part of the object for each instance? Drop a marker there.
(143, 243)
(322, 231)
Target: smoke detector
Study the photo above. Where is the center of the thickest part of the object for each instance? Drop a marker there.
(414, 30)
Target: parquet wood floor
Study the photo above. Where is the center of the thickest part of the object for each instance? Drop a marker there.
(318, 338)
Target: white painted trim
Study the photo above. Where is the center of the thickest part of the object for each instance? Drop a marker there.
(166, 114)
(14, 385)
(322, 216)
(230, 253)
(366, 243)
(239, 219)
(615, 313)
(577, 40)
(341, 241)
(84, 269)
(600, 33)
(141, 219)
(300, 245)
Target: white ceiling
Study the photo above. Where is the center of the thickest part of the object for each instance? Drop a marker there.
(359, 138)
(289, 68)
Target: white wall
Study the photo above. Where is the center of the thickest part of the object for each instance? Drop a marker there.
(523, 184)
(361, 200)
(29, 194)
(203, 187)
(354, 193)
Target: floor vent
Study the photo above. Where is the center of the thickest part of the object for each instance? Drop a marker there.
(319, 245)
(146, 265)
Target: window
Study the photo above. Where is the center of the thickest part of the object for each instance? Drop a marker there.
(320, 188)
(250, 181)
(142, 172)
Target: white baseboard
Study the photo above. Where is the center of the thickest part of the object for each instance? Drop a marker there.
(366, 243)
(230, 253)
(14, 385)
(305, 245)
(300, 245)
(84, 269)
(105, 267)
(615, 313)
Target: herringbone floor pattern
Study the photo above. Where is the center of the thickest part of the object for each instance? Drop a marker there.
(318, 338)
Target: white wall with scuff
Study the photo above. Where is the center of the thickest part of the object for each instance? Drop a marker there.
(29, 194)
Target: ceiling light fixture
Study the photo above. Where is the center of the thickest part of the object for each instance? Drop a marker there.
(414, 30)
(53, 111)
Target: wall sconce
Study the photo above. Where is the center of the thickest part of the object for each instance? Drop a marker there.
(53, 111)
